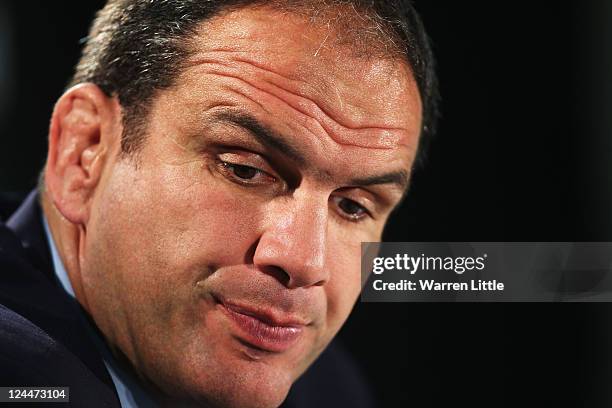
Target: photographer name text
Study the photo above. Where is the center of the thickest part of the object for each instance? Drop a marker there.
(478, 285)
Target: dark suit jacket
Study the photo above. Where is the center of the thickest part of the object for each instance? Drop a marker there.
(44, 340)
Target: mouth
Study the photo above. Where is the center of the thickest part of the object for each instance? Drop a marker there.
(264, 330)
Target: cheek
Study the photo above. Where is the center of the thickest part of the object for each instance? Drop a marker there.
(182, 214)
(153, 234)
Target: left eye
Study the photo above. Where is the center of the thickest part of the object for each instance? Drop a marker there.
(245, 175)
(242, 172)
(351, 209)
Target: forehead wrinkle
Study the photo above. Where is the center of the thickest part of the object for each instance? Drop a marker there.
(374, 137)
(277, 85)
(233, 60)
(231, 57)
(251, 94)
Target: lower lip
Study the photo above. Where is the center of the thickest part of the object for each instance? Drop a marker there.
(263, 336)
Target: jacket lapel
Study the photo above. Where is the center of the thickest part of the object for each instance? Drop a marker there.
(32, 289)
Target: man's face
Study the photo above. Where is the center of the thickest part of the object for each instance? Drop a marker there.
(225, 257)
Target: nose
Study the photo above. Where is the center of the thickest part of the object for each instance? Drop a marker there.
(293, 244)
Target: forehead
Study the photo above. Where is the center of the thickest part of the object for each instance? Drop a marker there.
(324, 73)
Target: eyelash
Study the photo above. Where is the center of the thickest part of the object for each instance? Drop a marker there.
(229, 170)
(351, 217)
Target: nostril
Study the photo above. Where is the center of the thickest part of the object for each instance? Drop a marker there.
(278, 273)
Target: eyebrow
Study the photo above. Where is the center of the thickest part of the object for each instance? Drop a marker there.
(262, 134)
(269, 138)
(400, 178)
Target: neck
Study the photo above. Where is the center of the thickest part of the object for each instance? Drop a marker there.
(69, 240)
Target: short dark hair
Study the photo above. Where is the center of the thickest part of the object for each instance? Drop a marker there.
(137, 47)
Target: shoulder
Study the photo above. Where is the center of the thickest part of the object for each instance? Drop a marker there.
(30, 357)
(25, 350)
(40, 340)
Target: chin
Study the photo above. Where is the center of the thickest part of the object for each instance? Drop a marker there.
(239, 399)
(243, 384)
(240, 395)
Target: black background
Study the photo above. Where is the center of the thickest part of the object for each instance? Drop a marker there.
(523, 154)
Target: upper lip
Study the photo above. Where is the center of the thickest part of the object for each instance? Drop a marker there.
(269, 316)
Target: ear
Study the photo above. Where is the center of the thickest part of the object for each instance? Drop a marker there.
(84, 129)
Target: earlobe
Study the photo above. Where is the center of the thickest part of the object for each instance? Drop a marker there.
(82, 134)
